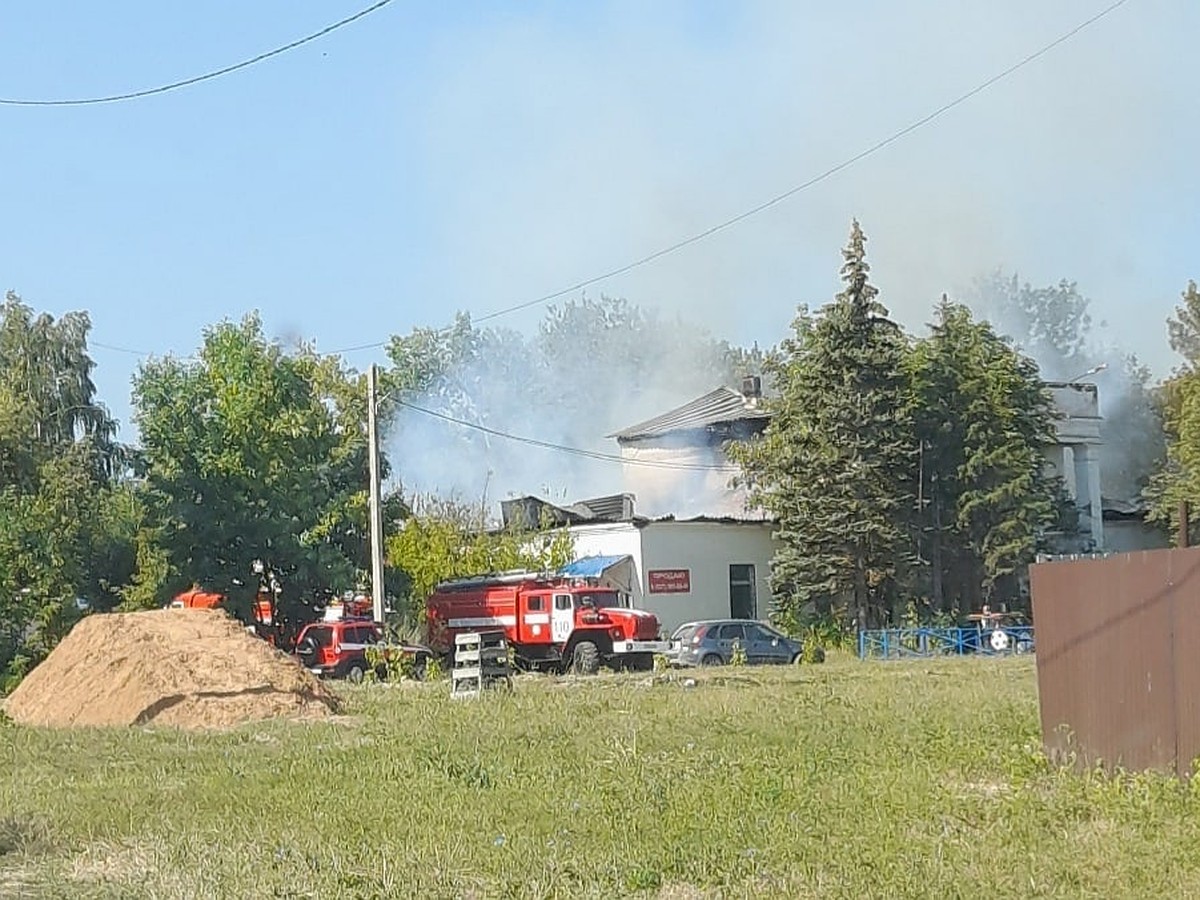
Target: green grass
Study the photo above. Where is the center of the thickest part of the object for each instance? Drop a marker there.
(845, 780)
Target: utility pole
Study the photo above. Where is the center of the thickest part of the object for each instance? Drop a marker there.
(376, 507)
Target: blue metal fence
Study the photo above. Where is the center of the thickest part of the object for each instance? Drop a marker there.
(923, 642)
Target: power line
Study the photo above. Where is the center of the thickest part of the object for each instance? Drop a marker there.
(791, 192)
(563, 448)
(142, 353)
(208, 76)
(699, 236)
(117, 349)
(495, 432)
(815, 180)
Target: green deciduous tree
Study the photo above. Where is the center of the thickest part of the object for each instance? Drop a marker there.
(983, 418)
(449, 539)
(1178, 479)
(837, 463)
(255, 455)
(62, 534)
(1051, 324)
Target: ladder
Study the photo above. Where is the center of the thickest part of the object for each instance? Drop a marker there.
(480, 661)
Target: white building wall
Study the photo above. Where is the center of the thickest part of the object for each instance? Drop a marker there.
(618, 539)
(699, 485)
(705, 549)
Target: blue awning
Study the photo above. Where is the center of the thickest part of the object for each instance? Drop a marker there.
(614, 571)
(591, 566)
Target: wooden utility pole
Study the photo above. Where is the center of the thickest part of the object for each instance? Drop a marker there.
(376, 506)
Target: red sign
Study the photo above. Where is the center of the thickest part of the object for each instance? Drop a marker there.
(669, 581)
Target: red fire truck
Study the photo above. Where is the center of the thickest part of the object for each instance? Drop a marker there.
(552, 622)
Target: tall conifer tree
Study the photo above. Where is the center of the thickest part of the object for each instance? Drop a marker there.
(837, 464)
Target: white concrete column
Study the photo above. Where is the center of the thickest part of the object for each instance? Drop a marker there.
(1087, 489)
(1068, 472)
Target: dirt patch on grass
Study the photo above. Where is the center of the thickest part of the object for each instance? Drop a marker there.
(186, 668)
(114, 863)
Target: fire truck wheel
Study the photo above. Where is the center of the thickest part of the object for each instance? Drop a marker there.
(585, 659)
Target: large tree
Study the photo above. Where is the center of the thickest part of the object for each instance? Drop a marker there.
(837, 463)
(64, 518)
(446, 538)
(1052, 324)
(983, 418)
(1178, 479)
(256, 458)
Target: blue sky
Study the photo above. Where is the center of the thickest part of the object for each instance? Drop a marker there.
(435, 157)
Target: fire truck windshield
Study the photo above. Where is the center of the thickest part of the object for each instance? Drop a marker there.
(598, 599)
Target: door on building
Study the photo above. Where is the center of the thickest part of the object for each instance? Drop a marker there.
(743, 600)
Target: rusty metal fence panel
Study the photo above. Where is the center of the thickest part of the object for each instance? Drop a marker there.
(1117, 658)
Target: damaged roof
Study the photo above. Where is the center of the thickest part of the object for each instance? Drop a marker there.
(534, 512)
(715, 408)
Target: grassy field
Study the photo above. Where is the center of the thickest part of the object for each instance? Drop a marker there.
(843, 780)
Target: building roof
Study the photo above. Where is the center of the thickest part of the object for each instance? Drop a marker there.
(533, 512)
(715, 408)
(1075, 405)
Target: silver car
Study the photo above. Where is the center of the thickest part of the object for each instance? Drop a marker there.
(712, 643)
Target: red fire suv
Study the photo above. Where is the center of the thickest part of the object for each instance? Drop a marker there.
(338, 649)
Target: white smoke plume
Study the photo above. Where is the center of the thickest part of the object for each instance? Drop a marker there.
(571, 388)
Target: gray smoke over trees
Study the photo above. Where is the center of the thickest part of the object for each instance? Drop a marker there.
(593, 367)
(1053, 324)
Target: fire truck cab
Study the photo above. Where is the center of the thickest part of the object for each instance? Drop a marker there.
(551, 621)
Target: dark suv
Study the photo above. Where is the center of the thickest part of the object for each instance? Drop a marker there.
(712, 643)
(338, 649)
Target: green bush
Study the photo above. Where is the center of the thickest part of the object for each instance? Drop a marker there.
(737, 656)
(434, 669)
(390, 664)
(813, 651)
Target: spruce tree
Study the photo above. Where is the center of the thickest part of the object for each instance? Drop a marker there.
(983, 417)
(836, 465)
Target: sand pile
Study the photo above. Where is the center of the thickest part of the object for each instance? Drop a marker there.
(186, 668)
